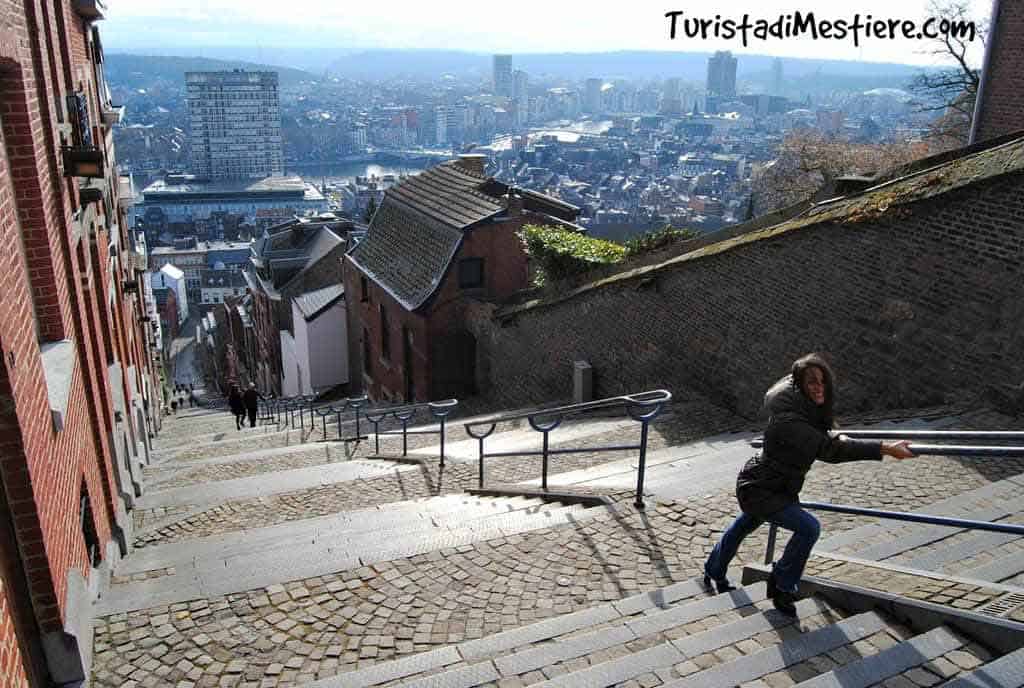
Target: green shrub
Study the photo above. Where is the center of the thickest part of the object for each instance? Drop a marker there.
(561, 253)
(659, 238)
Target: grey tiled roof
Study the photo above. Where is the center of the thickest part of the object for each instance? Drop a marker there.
(418, 229)
(312, 303)
(449, 193)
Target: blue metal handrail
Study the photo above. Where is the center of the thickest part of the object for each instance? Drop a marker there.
(353, 403)
(438, 409)
(924, 450)
(910, 517)
(643, 407)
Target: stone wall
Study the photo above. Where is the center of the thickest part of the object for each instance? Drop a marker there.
(922, 304)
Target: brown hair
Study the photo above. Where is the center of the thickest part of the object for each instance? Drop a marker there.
(816, 360)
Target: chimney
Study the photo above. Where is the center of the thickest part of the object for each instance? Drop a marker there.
(513, 204)
(1000, 103)
(473, 162)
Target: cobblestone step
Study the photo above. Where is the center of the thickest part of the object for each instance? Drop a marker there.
(886, 539)
(890, 662)
(244, 567)
(757, 665)
(1006, 569)
(1005, 672)
(259, 485)
(956, 548)
(386, 521)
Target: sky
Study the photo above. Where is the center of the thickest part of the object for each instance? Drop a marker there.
(521, 26)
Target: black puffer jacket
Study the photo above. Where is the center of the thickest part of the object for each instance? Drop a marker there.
(796, 435)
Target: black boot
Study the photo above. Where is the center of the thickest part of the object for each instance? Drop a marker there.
(785, 602)
(720, 586)
(782, 600)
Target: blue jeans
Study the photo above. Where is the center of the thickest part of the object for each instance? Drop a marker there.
(790, 567)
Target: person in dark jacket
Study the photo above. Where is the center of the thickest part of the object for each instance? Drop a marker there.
(237, 406)
(251, 399)
(768, 487)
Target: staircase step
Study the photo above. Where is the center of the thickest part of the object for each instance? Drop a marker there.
(868, 671)
(1000, 569)
(636, 664)
(463, 677)
(754, 666)
(1005, 672)
(492, 645)
(552, 653)
(397, 520)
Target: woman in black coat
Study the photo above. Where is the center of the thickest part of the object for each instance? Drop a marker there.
(237, 406)
(768, 488)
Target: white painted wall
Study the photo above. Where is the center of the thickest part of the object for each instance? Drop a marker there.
(289, 362)
(328, 347)
(324, 343)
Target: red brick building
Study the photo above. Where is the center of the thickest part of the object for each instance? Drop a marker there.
(439, 241)
(1001, 94)
(78, 394)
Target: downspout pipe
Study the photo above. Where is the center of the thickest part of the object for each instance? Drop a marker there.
(986, 63)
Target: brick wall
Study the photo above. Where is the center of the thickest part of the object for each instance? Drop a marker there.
(913, 309)
(1002, 97)
(56, 280)
(440, 347)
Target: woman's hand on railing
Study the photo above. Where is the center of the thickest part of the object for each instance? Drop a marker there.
(898, 450)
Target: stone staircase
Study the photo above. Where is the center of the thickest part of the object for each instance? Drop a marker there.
(679, 636)
(269, 543)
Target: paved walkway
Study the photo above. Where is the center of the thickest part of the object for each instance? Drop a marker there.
(289, 572)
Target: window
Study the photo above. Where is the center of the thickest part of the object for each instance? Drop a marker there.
(364, 290)
(92, 543)
(366, 352)
(471, 273)
(385, 335)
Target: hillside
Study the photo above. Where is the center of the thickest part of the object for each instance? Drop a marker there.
(140, 71)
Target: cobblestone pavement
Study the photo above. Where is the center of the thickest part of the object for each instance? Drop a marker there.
(283, 635)
(317, 454)
(318, 627)
(919, 587)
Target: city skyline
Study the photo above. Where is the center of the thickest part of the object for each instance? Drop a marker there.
(143, 25)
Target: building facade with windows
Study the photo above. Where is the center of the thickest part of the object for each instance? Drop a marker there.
(79, 394)
(440, 241)
(236, 124)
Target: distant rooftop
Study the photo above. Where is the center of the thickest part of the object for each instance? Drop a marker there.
(186, 185)
(203, 246)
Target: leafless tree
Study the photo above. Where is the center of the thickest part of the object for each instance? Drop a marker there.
(809, 162)
(952, 90)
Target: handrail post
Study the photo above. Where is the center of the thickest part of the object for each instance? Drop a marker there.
(480, 480)
(405, 437)
(324, 418)
(544, 464)
(639, 503)
(337, 417)
(769, 552)
(442, 441)
(376, 437)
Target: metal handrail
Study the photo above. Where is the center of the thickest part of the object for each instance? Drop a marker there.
(910, 517)
(658, 396)
(354, 403)
(980, 435)
(643, 407)
(438, 409)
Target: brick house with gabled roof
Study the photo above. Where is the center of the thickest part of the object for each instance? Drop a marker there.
(438, 241)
